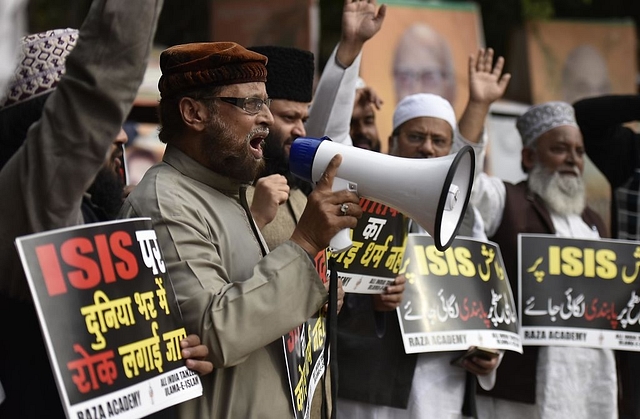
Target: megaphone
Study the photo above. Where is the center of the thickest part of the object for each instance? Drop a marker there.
(433, 192)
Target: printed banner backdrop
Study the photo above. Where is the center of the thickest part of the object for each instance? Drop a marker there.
(579, 292)
(304, 351)
(110, 319)
(294, 23)
(569, 60)
(423, 47)
(457, 298)
(374, 260)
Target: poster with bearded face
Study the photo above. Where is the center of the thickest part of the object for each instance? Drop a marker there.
(421, 48)
(566, 61)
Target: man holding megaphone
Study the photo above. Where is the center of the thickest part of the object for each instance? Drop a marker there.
(278, 198)
(239, 297)
(377, 378)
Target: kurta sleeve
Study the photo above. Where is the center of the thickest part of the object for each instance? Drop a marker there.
(489, 196)
(479, 148)
(332, 106)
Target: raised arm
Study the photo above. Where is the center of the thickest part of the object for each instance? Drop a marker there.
(48, 176)
(360, 21)
(330, 112)
(487, 84)
(86, 111)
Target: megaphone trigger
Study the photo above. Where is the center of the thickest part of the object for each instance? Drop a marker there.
(452, 198)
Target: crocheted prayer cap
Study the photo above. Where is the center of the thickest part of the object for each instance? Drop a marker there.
(191, 66)
(541, 118)
(423, 105)
(290, 73)
(41, 64)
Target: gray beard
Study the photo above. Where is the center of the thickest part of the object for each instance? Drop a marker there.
(564, 195)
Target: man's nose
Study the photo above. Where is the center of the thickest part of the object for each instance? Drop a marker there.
(265, 116)
(299, 130)
(121, 138)
(426, 148)
(572, 157)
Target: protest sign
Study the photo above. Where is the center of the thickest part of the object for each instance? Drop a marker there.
(109, 317)
(305, 355)
(579, 292)
(373, 261)
(457, 298)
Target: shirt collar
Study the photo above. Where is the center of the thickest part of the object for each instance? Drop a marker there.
(194, 170)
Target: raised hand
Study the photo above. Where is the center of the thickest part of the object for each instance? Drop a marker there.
(486, 81)
(368, 95)
(486, 85)
(361, 19)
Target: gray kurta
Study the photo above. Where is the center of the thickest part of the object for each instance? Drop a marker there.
(44, 182)
(239, 302)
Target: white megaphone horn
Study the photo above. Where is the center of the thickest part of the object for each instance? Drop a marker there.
(433, 192)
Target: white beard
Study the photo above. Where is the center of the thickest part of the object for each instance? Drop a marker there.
(564, 195)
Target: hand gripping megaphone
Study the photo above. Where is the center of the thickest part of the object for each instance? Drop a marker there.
(433, 192)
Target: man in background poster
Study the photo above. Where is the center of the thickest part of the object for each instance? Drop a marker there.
(423, 63)
(584, 74)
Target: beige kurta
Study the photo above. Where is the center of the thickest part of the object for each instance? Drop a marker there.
(239, 302)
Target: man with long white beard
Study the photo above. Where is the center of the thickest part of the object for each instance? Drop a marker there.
(546, 382)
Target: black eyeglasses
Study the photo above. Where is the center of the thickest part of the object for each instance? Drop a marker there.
(251, 105)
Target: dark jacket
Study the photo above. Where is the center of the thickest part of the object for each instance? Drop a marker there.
(524, 212)
(613, 147)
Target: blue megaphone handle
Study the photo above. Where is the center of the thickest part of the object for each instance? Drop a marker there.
(303, 151)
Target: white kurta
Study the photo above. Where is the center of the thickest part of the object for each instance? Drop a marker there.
(437, 389)
(330, 111)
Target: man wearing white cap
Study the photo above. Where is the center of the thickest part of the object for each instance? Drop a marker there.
(546, 382)
(424, 385)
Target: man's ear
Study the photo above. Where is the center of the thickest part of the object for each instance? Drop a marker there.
(528, 159)
(195, 114)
